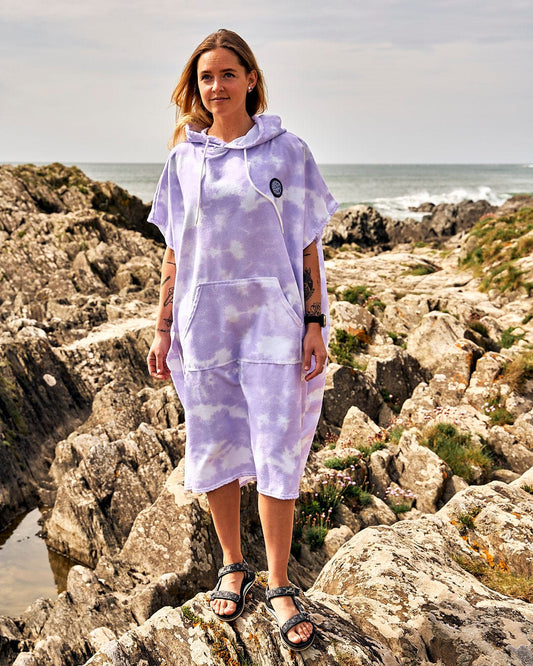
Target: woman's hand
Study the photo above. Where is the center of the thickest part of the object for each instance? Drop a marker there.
(157, 356)
(313, 345)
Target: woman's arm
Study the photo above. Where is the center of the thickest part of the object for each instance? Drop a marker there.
(157, 364)
(313, 343)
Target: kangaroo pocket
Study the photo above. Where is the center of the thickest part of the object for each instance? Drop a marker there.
(248, 320)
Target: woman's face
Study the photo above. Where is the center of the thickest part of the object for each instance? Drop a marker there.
(223, 82)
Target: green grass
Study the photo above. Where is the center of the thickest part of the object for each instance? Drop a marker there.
(342, 463)
(527, 488)
(394, 434)
(400, 508)
(367, 451)
(357, 295)
(499, 243)
(497, 412)
(422, 269)
(508, 338)
(458, 450)
(345, 346)
(399, 339)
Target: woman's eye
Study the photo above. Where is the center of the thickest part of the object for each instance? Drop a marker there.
(229, 75)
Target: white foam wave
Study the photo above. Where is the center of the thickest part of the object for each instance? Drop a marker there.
(400, 207)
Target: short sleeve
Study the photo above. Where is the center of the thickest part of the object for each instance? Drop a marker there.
(167, 206)
(319, 204)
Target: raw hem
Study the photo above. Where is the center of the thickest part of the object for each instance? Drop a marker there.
(284, 497)
(249, 478)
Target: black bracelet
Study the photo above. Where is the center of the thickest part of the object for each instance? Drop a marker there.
(315, 319)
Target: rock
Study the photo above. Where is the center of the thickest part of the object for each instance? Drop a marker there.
(365, 227)
(171, 536)
(420, 600)
(377, 513)
(25, 659)
(358, 321)
(361, 224)
(191, 635)
(405, 314)
(357, 429)
(106, 474)
(346, 387)
(420, 470)
(453, 372)
(379, 472)
(395, 373)
(516, 456)
(454, 484)
(433, 338)
(348, 518)
(483, 380)
(335, 538)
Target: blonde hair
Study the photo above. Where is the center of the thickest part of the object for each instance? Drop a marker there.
(186, 95)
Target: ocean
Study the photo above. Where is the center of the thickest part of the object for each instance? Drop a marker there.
(390, 188)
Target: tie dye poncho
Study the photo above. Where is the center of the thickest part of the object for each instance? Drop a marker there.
(238, 216)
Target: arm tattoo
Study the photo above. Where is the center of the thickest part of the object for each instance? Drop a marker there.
(309, 288)
(168, 321)
(164, 330)
(172, 263)
(169, 297)
(165, 280)
(313, 309)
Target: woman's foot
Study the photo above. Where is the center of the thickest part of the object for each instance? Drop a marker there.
(286, 607)
(229, 596)
(231, 582)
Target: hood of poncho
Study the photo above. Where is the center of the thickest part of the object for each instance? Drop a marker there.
(266, 127)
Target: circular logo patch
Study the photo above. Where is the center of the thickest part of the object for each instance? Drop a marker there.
(276, 187)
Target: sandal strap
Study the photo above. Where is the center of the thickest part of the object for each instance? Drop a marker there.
(295, 619)
(232, 568)
(289, 591)
(225, 594)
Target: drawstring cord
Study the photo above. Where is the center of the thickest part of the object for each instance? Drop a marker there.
(246, 164)
(262, 193)
(202, 171)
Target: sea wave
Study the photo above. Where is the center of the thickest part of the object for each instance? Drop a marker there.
(400, 207)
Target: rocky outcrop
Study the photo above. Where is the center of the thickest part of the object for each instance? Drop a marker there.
(404, 594)
(365, 227)
(78, 273)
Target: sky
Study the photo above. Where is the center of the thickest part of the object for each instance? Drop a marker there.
(362, 81)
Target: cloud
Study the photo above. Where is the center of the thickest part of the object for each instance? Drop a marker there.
(387, 78)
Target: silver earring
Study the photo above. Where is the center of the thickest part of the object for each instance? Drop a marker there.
(250, 88)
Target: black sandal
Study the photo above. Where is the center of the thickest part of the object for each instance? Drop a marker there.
(238, 599)
(301, 616)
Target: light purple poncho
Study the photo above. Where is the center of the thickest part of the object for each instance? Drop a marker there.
(238, 216)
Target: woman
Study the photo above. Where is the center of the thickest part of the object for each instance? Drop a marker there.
(242, 206)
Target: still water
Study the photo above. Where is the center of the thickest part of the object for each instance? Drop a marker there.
(28, 569)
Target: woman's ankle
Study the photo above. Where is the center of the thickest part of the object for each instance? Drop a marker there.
(278, 581)
(232, 558)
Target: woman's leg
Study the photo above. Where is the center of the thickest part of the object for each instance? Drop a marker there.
(276, 520)
(225, 505)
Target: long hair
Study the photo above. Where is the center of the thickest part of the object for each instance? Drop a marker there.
(186, 95)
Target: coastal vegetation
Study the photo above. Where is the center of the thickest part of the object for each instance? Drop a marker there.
(464, 455)
(495, 246)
